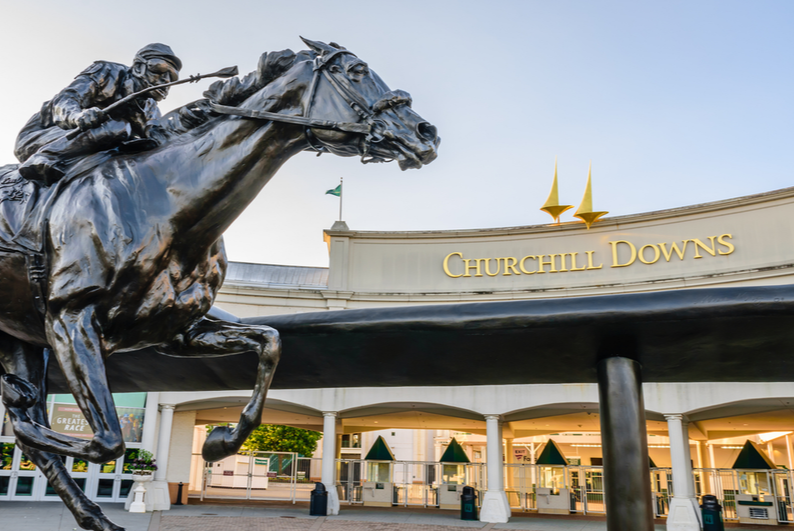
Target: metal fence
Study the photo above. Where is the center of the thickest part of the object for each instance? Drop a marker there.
(286, 476)
(413, 483)
(280, 476)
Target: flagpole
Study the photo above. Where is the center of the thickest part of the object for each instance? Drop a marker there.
(340, 198)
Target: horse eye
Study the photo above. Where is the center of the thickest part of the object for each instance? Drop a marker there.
(334, 69)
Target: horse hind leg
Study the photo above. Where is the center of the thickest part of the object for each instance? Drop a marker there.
(28, 364)
(77, 343)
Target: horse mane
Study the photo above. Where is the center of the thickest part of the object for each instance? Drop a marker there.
(232, 92)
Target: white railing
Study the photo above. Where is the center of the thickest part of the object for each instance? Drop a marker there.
(287, 477)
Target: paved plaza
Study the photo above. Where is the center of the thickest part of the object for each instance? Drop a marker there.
(53, 516)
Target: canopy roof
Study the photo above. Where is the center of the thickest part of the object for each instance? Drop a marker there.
(551, 455)
(454, 453)
(700, 335)
(752, 457)
(380, 451)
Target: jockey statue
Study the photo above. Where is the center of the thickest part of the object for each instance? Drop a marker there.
(42, 146)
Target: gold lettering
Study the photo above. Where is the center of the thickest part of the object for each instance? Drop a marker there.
(521, 265)
(573, 262)
(509, 265)
(476, 267)
(488, 271)
(633, 251)
(667, 254)
(590, 260)
(542, 263)
(698, 243)
(447, 268)
(727, 244)
(562, 262)
(656, 253)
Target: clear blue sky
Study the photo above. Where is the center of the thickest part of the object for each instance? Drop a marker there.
(675, 102)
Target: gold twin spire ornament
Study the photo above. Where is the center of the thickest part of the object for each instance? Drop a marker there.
(585, 211)
(553, 206)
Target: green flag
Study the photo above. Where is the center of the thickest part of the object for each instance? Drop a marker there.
(335, 191)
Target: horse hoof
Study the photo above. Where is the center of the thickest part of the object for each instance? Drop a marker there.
(17, 393)
(217, 446)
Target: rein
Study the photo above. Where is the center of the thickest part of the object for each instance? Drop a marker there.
(369, 124)
(297, 120)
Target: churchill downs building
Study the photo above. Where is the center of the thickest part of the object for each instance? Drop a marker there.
(537, 446)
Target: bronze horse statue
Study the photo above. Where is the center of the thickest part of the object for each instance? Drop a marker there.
(126, 251)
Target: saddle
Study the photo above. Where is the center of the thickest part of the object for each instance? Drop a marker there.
(21, 212)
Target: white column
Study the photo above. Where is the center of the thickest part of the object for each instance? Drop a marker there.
(510, 459)
(789, 451)
(711, 456)
(495, 503)
(700, 453)
(150, 422)
(770, 453)
(328, 466)
(157, 491)
(691, 485)
(682, 514)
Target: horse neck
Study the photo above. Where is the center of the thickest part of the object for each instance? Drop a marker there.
(211, 175)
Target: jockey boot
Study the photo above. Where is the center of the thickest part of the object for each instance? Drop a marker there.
(49, 163)
(41, 167)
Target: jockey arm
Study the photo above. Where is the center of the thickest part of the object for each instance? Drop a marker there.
(91, 90)
(80, 104)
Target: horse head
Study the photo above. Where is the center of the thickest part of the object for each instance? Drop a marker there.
(347, 109)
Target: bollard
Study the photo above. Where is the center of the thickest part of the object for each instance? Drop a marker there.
(318, 501)
(179, 494)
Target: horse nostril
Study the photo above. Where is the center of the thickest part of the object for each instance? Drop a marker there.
(426, 131)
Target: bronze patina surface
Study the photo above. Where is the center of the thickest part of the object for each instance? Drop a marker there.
(122, 249)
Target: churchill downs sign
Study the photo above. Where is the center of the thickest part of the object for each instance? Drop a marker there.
(622, 253)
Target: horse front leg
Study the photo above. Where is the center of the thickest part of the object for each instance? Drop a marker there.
(30, 364)
(209, 338)
(77, 344)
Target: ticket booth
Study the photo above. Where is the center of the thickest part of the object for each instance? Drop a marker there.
(756, 501)
(552, 496)
(378, 490)
(454, 476)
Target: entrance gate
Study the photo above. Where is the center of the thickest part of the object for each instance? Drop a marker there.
(287, 477)
(279, 476)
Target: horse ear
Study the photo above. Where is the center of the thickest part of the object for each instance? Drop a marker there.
(319, 47)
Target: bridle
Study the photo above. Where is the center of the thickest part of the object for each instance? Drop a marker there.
(369, 124)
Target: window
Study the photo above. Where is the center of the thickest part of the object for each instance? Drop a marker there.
(352, 440)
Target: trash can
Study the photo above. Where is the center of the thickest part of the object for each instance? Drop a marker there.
(318, 501)
(469, 509)
(711, 514)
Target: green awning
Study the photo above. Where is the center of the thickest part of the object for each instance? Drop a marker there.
(752, 457)
(380, 451)
(551, 455)
(454, 453)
